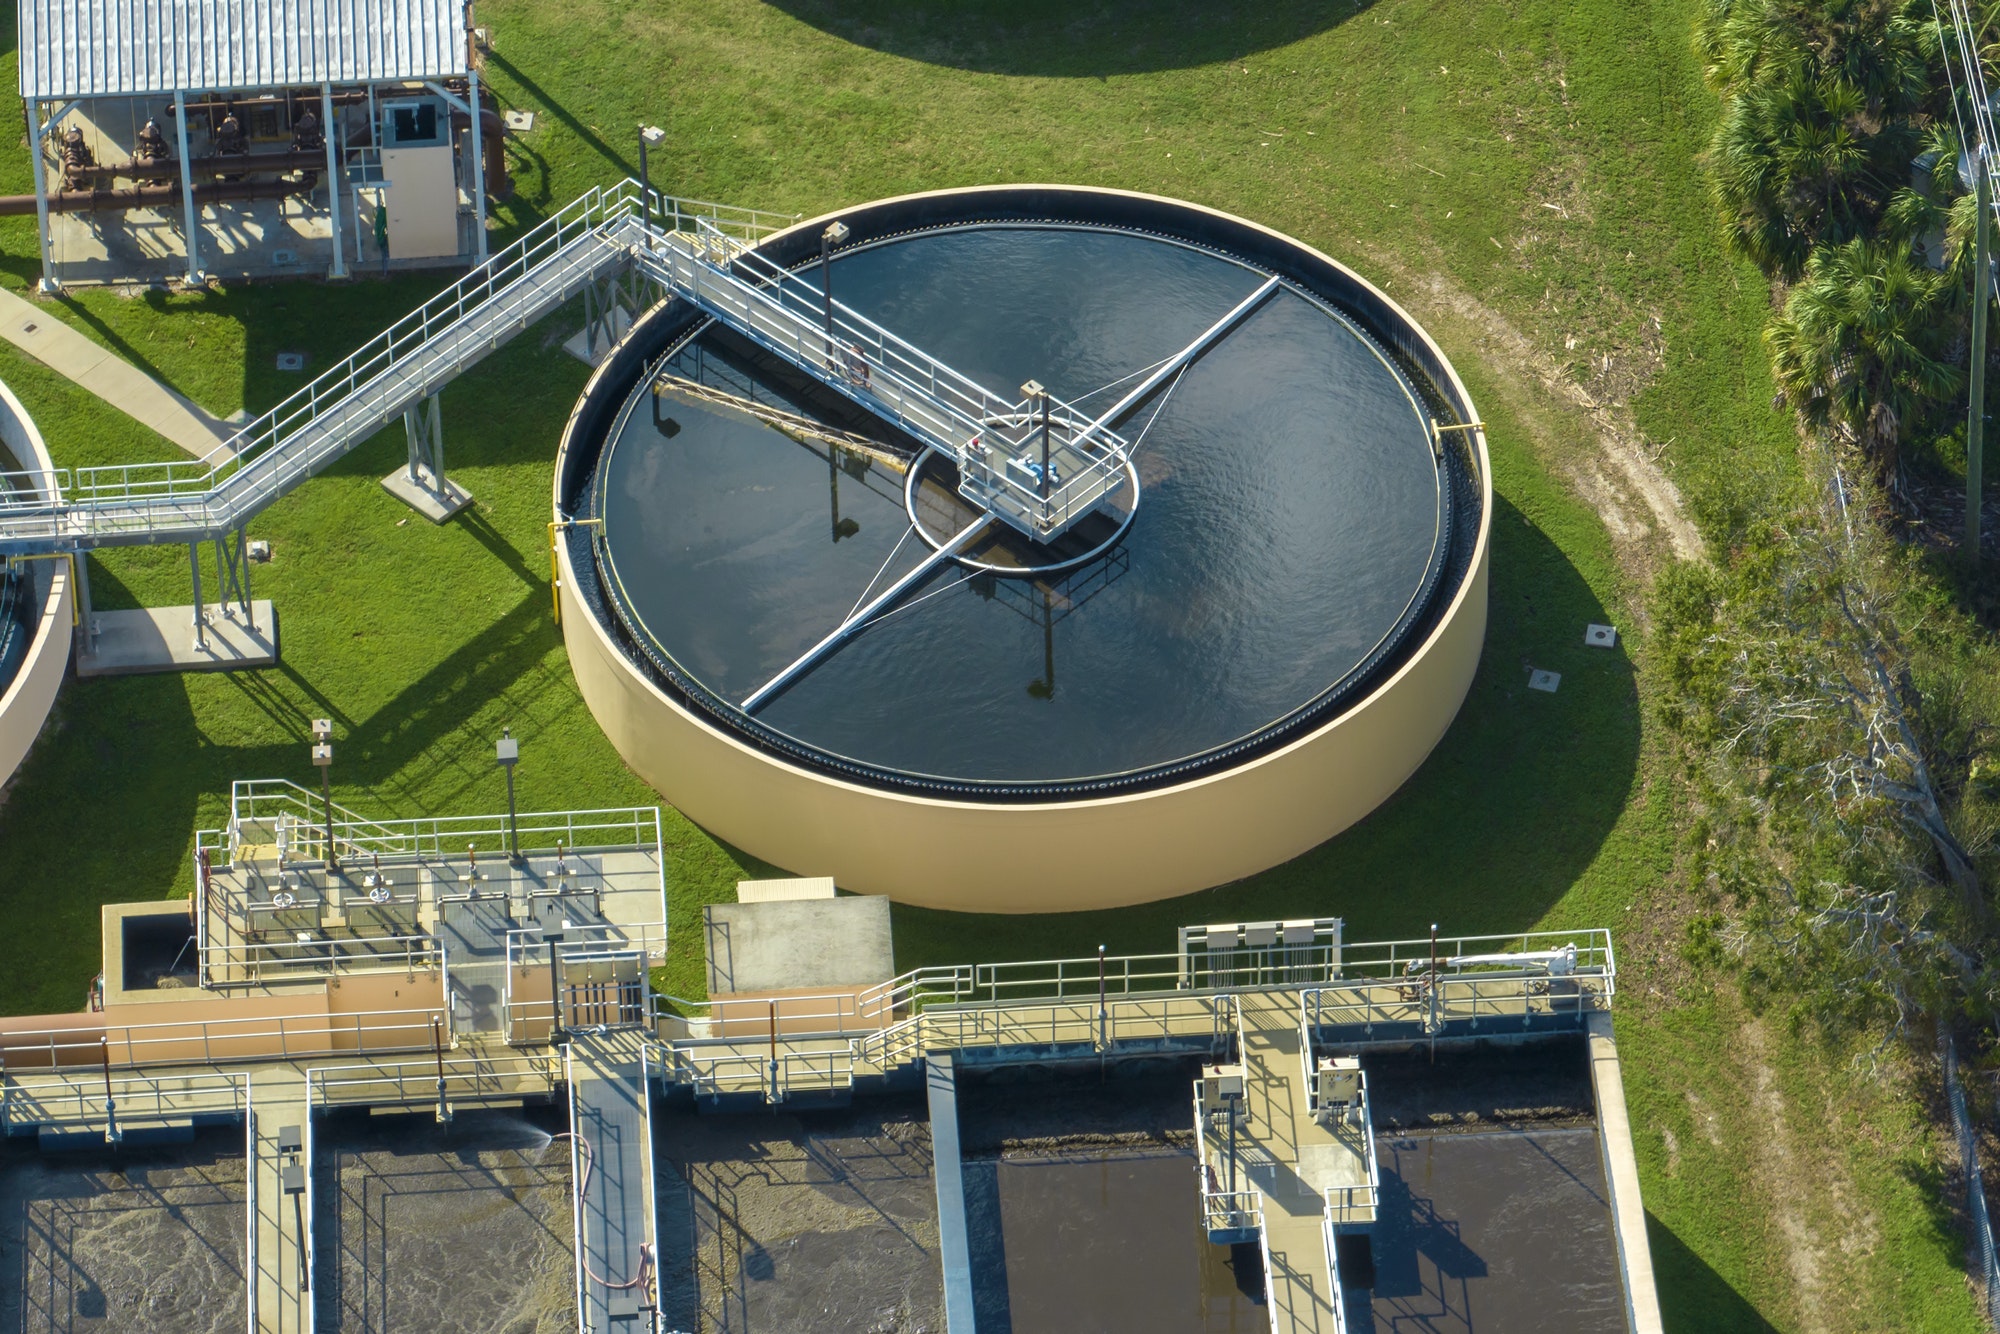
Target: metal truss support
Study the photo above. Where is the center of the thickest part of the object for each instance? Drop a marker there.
(425, 431)
(601, 302)
(232, 574)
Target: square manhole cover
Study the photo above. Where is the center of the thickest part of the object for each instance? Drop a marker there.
(1544, 680)
(520, 122)
(1600, 636)
(291, 361)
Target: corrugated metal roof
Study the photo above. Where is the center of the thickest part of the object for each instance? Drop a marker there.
(111, 48)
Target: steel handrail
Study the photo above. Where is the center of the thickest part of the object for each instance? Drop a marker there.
(120, 1044)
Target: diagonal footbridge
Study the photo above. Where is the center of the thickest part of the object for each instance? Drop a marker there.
(1035, 463)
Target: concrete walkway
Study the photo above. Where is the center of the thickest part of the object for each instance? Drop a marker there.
(60, 347)
(1292, 1159)
(278, 1282)
(608, 1112)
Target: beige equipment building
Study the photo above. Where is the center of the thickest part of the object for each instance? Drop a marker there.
(195, 139)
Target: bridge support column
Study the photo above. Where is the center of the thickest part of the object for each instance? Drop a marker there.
(607, 314)
(232, 576)
(200, 617)
(421, 483)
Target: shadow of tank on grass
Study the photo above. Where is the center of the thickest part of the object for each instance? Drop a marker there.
(146, 1239)
(458, 1229)
(1054, 39)
(1507, 813)
(1693, 1295)
(101, 811)
(819, 1220)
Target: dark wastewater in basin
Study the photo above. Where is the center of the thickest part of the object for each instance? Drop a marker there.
(1492, 1232)
(1104, 1241)
(458, 1229)
(143, 1240)
(815, 1221)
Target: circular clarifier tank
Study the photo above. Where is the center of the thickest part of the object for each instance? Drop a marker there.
(1244, 646)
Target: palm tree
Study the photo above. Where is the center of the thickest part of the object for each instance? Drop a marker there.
(1864, 344)
(1824, 105)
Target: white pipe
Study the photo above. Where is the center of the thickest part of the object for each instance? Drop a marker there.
(334, 176)
(193, 220)
(1181, 358)
(478, 169)
(50, 283)
(965, 538)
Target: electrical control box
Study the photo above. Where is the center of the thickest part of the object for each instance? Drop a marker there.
(1221, 1086)
(1338, 1085)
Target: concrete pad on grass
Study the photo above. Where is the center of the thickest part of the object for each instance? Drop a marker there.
(831, 944)
(425, 495)
(161, 639)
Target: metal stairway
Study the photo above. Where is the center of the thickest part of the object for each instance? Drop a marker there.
(1037, 463)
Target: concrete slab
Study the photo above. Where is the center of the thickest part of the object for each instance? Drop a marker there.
(425, 495)
(577, 346)
(161, 639)
(785, 891)
(124, 386)
(827, 943)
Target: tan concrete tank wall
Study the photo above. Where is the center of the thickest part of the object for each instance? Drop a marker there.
(1052, 857)
(26, 702)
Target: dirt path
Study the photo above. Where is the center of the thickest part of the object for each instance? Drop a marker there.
(1592, 444)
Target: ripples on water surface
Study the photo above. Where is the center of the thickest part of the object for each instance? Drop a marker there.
(1287, 521)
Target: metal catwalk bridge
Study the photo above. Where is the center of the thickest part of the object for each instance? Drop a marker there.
(1037, 463)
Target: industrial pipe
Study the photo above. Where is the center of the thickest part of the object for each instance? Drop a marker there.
(491, 129)
(298, 97)
(151, 196)
(169, 169)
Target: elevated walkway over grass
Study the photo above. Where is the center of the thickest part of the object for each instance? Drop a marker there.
(1036, 464)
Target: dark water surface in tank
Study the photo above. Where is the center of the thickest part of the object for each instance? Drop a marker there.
(1288, 517)
(1104, 1243)
(1494, 1232)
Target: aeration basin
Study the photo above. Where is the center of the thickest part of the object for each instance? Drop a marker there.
(1247, 643)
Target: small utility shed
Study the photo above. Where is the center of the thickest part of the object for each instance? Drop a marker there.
(229, 138)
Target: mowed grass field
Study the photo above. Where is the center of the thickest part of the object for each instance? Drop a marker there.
(1521, 175)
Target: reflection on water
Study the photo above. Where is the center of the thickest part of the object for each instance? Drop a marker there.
(1288, 518)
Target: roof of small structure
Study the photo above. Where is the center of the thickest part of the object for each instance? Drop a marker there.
(118, 48)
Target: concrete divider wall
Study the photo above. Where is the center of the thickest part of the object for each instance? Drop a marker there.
(26, 700)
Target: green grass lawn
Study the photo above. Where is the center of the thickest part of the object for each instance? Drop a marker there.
(1530, 163)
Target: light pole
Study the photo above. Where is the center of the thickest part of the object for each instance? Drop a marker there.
(322, 756)
(1036, 395)
(835, 234)
(1102, 1052)
(648, 136)
(553, 939)
(508, 751)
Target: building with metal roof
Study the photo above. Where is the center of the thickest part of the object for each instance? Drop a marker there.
(190, 139)
(110, 48)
